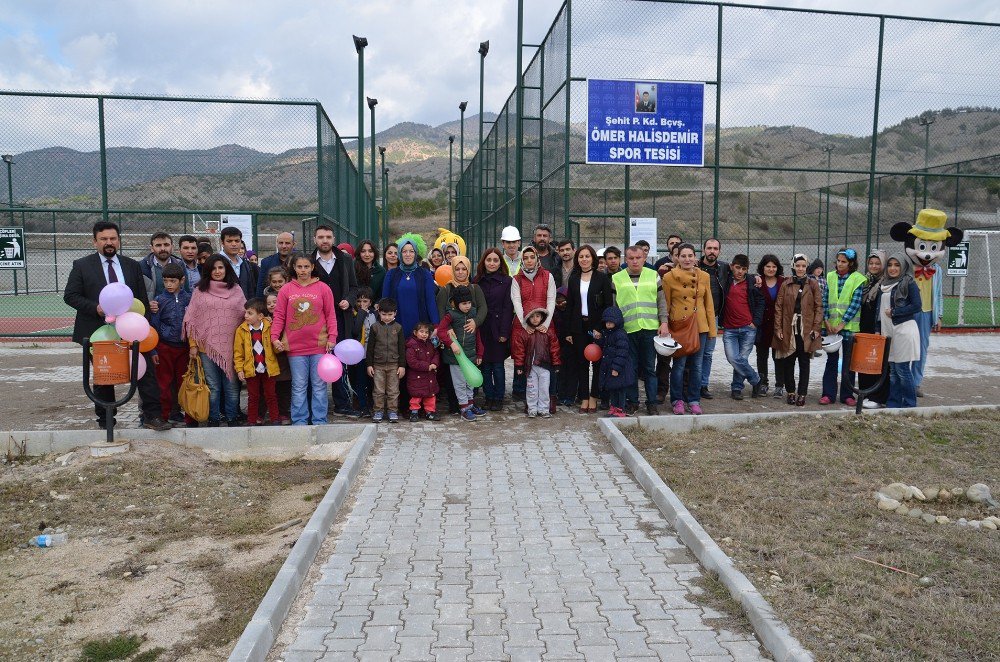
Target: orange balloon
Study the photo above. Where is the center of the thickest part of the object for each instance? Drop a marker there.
(592, 352)
(151, 341)
(443, 275)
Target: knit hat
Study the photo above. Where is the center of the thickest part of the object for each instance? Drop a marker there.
(461, 294)
(347, 248)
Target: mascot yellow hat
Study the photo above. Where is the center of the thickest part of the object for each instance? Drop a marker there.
(447, 237)
(930, 225)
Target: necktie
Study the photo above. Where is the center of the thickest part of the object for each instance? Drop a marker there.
(112, 276)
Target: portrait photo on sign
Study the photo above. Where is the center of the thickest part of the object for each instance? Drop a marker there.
(645, 97)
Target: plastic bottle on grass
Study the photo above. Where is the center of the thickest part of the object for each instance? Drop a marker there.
(49, 540)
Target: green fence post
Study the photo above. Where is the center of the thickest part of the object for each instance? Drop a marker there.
(628, 203)
(871, 171)
(568, 86)
(748, 222)
(519, 124)
(795, 217)
(104, 158)
(718, 119)
(319, 167)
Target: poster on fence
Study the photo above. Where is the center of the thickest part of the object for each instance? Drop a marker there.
(643, 228)
(958, 259)
(242, 221)
(645, 122)
(12, 253)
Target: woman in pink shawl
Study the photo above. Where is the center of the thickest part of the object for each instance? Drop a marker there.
(210, 322)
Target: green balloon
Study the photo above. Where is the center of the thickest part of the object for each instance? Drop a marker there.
(137, 307)
(106, 332)
(472, 374)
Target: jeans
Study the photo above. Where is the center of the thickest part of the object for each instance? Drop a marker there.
(738, 344)
(224, 393)
(642, 352)
(494, 380)
(902, 390)
(924, 323)
(361, 384)
(304, 375)
(706, 361)
(693, 362)
(846, 376)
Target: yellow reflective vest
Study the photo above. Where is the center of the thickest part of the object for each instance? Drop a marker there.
(637, 301)
(838, 302)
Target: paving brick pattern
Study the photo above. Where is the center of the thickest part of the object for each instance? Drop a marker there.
(506, 550)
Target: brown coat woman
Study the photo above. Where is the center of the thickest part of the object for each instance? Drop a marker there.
(797, 340)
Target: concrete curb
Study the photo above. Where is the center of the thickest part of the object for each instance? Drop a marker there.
(773, 633)
(259, 634)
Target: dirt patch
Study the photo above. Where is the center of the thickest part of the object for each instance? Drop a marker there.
(792, 503)
(165, 545)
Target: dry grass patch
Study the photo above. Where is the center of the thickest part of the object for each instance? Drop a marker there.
(791, 502)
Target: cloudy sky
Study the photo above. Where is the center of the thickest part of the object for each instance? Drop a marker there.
(422, 57)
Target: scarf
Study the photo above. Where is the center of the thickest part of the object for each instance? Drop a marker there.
(530, 275)
(871, 292)
(901, 283)
(211, 320)
(408, 269)
(468, 266)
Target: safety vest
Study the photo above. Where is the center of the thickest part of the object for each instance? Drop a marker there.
(637, 301)
(838, 302)
(513, 266)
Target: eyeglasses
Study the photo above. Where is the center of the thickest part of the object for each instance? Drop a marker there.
(849, 253)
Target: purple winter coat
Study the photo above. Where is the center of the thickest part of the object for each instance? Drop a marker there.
(421, 381)
(499, 316)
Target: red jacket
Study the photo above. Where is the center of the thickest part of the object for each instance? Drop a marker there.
(421, 381)
(536, 348)
(534, 293)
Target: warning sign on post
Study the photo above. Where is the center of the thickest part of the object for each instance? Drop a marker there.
(958, 259)
(12, 252)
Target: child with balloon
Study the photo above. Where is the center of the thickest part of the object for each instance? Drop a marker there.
(461, 343)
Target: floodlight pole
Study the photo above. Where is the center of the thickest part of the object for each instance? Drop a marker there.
(829, 152)
(374, 215)
(9, 160)
(461, 160)
(484, 48)
(359, 45)
(385, 195)
(451, 218)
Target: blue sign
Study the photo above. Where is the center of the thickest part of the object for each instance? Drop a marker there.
(645, 122)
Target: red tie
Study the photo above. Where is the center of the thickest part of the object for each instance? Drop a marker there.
(112, 276)
(924, 272)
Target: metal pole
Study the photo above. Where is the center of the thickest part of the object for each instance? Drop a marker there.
(871, 173)
(384, 229)
(9, 160)
(518, 127)
(569, 87)
(451, 183)
(461, 165)
(718, 119)
(359, 46)
(628, 203)
(484, 48)
(829, 152)
(374, 215)
(104, 158)
(319, 161)
(795, 218)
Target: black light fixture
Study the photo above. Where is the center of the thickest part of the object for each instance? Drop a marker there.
(484, 47)
(462, 106)
(372, 103)
(360, 42)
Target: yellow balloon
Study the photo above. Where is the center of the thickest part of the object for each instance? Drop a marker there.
(137, 307)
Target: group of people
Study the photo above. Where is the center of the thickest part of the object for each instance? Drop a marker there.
(264, 325)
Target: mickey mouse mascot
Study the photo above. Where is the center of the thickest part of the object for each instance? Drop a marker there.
(925, 243)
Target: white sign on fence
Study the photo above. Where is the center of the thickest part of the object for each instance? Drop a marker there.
(242, 221)
(643, 228)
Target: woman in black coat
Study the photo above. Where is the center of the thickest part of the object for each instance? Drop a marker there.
(589, 293)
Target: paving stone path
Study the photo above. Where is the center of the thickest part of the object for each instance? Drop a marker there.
(520, 541)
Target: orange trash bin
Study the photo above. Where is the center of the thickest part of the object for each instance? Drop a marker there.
(868, 353)
(111, 365)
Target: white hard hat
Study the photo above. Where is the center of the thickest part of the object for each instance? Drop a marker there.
(665, 346)
(600, 252)
(510, 233)
(831, 344)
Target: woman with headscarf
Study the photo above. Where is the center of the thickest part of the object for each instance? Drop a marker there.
(898, 305)
(841, 305)
(461, 272)
(412, 287)
(435, 258)
(869, 324)
(533, 287)
(798, 316)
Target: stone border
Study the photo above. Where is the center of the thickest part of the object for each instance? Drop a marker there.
(259, 635)
(773, 633)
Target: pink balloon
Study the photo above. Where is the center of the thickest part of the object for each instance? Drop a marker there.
(142, 365)
(110, 319)
(115, 298)
(132, 326)
(350, 352)
(329, 369)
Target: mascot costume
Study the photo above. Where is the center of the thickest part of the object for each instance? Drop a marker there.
(925, 243)
(448, 238)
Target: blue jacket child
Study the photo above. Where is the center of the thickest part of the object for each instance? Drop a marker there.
(169, 319)
(614, 343)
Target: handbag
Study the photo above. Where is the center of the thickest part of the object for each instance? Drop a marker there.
(193, 395)
(685, 331)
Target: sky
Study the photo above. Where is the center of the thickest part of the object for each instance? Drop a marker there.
(422, 56)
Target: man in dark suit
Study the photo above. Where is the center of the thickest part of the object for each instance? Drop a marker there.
(246, 271)
(336, 268)
(86, 280)
(645, 105)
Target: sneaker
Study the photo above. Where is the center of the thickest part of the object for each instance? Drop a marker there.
(432, 416)
(469, 415)
(393, 417)
(850, 402)
(652, 409)
(705, 393)
(696, 409)
(779, 393)
(736, 395)
(759, 389)
(825, 400)
(618, 413)
(679, 407)
(365, 413)
(478, 411)
(157, 424)
(869, 404)
(378, 417)
(532, 414)
(544, 414)
(414, 416)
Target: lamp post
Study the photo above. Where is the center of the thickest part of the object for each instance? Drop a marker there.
(359, 45)
(461, 158)
(926, 122)
(9, 160)
(374, 215)
(451, 218)
(484, 48)
(385, 204)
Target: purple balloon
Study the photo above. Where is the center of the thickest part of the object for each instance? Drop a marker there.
(132, 326)
(115, 299)
(350, 352)
(329, 369)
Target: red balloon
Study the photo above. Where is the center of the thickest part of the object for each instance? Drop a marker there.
(592, 352)
(442, 276)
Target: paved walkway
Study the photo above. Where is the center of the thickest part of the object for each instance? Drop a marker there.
(459, 548)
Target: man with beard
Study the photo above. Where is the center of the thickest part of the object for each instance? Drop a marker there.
(566, 253)
(542, 242)
(87, 278)
(718, 275)
(284, 244)
(161, 248)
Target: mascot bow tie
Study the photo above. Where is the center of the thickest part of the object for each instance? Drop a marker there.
(924, 272)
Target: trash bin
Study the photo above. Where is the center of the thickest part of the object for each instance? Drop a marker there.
(111, 362)
(868, 353)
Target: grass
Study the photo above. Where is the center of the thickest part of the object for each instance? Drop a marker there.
(791, 502)
(977, 311)
(116, 648)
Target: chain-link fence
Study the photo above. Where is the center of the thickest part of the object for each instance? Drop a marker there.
(160, 164)
(793, 99)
